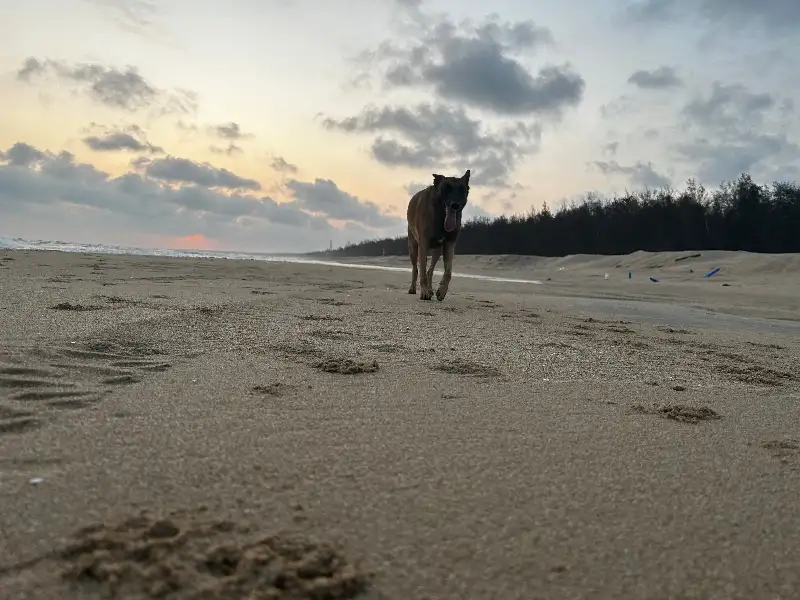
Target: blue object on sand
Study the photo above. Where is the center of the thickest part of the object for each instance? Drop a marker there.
(629, 274)
(654, 280)
(711, 273)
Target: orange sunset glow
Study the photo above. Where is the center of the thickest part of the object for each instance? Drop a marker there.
(193, 241)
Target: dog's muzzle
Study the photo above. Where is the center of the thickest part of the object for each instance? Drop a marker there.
(452, 217)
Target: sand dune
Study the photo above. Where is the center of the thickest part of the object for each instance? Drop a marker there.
(734, 264)
(310, 431)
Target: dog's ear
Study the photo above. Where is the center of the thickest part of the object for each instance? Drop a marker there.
(437, 179)
(465, 176)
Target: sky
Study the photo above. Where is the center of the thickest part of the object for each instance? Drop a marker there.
(287, 125)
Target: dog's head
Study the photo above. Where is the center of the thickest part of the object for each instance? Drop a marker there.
(452, 192)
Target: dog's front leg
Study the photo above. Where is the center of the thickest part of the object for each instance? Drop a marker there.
(448, 252)
(413, 250)
(426, 289)
(436, 253)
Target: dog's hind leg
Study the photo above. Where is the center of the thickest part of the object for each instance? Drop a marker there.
(448, 251)
(413, 249)
(435, 254)
(425, 288)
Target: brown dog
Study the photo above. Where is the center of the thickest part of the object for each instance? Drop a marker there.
(434, 221)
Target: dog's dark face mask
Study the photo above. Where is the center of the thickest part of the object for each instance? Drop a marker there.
(452, 193)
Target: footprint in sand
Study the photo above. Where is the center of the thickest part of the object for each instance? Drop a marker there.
(177, 554)
(70, 378)
(14, 421)
(782, 449)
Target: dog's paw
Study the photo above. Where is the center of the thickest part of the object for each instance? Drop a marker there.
(440, 294)
(426, 294)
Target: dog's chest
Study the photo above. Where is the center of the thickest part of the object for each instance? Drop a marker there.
(440, 237)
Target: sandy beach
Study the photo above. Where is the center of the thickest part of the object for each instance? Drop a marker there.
(206, 428)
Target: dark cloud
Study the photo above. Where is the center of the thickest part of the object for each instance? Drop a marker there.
(657, 79)
(280, 165)
(324, 197)
(727, 104)
(765, 155)
(124, 89)
(113, 142)
(61, 166)
(475, 64)
(45, 192)
(23, 155)
(732, 130)
(442, 137)
(183, 170)
(129, 139)
(774, 15)
(228, 150)
(611, 148)
(482, 65)
(229, 131)
(640, 174)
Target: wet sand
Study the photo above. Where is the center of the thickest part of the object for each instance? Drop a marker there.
(312, 431)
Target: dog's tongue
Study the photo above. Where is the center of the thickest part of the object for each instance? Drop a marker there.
(449, 220)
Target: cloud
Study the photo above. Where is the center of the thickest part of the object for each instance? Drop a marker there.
(657, 79)
(611, 148)
(732, 130)
(441, 136)
(228, 150)
(727, 105)
(475, 64)
(124, 89)
(414, 187)
(129, 139)
(183, 170)
(229, 131)
(775, 16)
(619, 107)
(44, 193)
(481, 66)
(474, 211)
(280, 165)
(764, 155)
(324, 197)
(640, 174)
(133, 16)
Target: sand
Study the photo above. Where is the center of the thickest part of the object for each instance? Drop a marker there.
(204, 428)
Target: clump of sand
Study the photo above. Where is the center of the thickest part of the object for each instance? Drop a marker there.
(460, 366)
(346, 366)
(178, 558)
(680, 412)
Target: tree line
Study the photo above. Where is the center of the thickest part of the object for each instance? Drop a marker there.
(739, 215)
